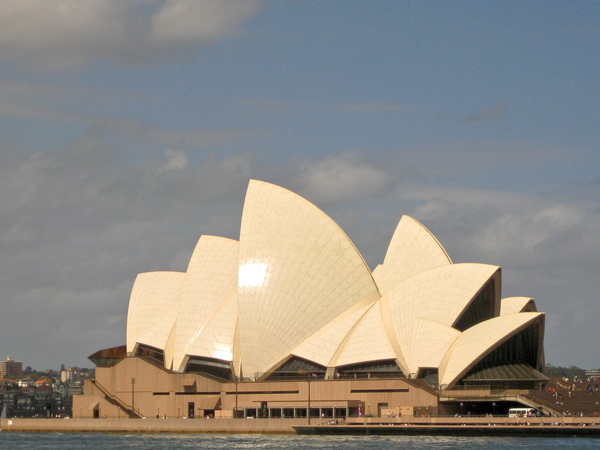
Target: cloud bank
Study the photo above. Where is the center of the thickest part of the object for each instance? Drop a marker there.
(67, 34)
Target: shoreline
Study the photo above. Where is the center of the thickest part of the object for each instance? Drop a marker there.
(456, 426)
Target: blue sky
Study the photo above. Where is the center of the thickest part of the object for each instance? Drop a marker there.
(128, 129)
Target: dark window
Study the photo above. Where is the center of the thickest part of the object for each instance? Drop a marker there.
(146, 351)
(209, 366)
(295, 368)
(373, 368)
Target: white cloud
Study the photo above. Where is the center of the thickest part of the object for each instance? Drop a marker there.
(176, 159)
(62, 34)
(340, 178)
(188, 21)
(505, 224)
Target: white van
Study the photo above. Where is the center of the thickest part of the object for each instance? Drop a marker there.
(521, 412)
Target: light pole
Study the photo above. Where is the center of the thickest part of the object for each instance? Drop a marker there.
(494, 407)
(461, 408)
(308, 409)
(235, 378)
(132, 397)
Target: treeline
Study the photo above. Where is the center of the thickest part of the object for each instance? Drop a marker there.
(569, 372)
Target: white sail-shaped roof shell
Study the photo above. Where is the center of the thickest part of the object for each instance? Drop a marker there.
(413, 249)
(430, 343)
(322, 346)
(216, 340)
(511, 305)
(479, 340)
(210, 280)
(439, 295)
(368, 341)
(153, 307)
(298, 271)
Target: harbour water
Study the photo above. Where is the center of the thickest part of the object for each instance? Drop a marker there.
(261, 441)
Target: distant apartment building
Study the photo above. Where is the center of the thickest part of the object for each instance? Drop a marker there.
(11, 368)
(25, 382)
(70, 374)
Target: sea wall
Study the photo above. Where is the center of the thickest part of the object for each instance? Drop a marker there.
(279, 426)
(285, 426)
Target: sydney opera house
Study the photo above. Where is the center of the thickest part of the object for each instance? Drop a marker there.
(289, 321)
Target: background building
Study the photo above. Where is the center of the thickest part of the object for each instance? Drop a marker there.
(11, 368)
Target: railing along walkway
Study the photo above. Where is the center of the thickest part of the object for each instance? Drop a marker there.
(113, 399)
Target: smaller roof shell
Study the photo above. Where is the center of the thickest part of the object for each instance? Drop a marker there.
(367, 341)
(480, 340)
(413, 249)
(440, 295)
(211, 278)
(153, 309)
(512, 305)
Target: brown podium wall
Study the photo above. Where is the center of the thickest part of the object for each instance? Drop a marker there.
(159, 392)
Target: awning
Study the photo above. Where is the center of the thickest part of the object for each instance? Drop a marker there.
(189, 382)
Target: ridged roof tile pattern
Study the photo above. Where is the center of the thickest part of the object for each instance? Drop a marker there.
(153, 308)
(312, 273)
(211, 278)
